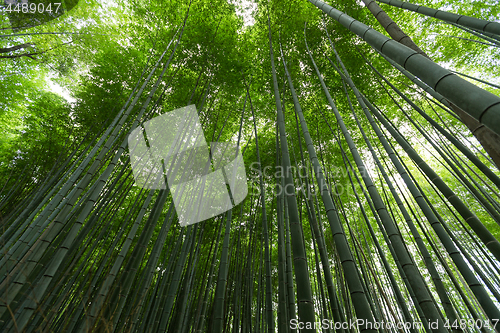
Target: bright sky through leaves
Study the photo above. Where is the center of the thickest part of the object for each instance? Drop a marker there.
(245, 8)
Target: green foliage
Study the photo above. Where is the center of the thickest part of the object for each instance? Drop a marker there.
(102, 50)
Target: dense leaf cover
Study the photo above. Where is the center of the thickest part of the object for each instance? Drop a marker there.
(392, 208)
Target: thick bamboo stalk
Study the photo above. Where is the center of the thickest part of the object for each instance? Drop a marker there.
(473, 158)
(484, 234)
(424, 298)
(441, 290)
(478, 103)
(283, 323)
(265, 231)
(438, 226)
(467, 21)
(391, 27)
(218, 307)
(304, 293)
(357, 293)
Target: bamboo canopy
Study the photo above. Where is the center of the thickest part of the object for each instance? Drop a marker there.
(372, 172)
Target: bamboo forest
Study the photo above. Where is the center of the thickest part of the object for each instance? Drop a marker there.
(364, 188)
